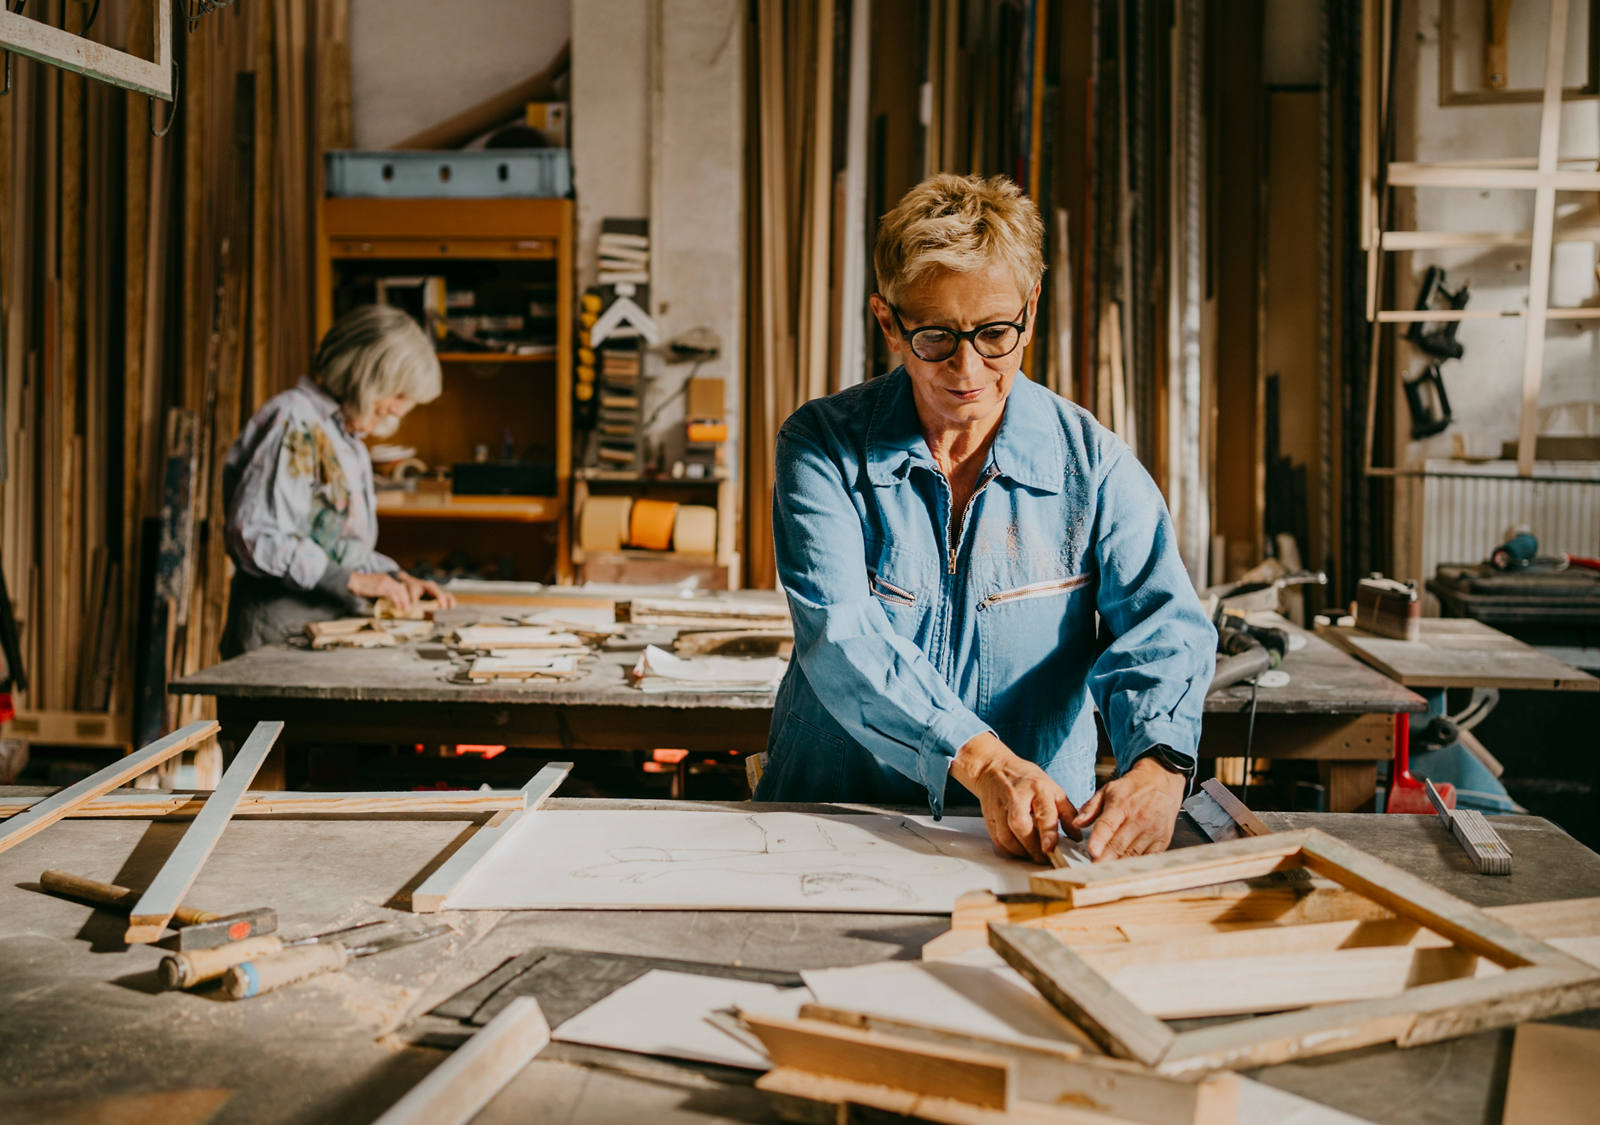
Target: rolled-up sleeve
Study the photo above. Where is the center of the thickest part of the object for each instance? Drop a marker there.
(269, 514)
(1150, 684)
(878, 685)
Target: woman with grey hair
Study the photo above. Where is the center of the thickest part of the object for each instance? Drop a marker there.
(302, 521)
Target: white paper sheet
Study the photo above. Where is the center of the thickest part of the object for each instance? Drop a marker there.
(660, 670)
(666, 1013)
(664, 859)
(977, 999)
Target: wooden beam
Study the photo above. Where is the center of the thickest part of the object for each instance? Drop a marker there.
(464, 1083)
(1081, 994)
(150, 804)
(430, 896)
(1404, 174)
(52, 809)
(148, 918)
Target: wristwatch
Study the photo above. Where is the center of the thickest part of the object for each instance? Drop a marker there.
(1170, 759)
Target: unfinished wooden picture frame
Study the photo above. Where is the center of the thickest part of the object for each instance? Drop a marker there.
(1538, 979)
(27, 35)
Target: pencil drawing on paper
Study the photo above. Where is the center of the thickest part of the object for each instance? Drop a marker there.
(664, 859)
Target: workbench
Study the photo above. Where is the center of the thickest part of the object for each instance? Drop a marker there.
(1334, 709)
(84, 1027)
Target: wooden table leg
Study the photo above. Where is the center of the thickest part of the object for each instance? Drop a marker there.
(1350, 786)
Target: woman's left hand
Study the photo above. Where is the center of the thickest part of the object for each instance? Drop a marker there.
(423, 587)
(1134, 814)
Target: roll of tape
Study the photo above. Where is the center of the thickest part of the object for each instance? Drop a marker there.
(603, 523)
(695, 532)
(650, 526)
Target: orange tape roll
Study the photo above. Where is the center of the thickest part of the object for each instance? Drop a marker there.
(695, 531)
(650, 526)
(603, 524)
(705, 432)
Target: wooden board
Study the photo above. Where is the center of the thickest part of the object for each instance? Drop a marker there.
(149, 916)
(52, 809)
(1555, 1076)
(1461, 652)
(430, 896)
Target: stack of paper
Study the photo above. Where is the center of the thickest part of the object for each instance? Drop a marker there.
(658, 670)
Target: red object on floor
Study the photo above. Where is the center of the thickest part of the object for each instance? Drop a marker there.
(7, 711)
(1406, 794)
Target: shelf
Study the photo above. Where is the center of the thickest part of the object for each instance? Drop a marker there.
(496, 357)
(609, 476)
(435, 505)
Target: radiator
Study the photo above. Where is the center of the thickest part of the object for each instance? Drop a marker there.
(1467, 509)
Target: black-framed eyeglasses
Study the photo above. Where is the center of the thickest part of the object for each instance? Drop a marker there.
(934, 343)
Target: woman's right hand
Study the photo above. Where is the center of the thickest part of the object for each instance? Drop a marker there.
(366, 584)
(1022, 807)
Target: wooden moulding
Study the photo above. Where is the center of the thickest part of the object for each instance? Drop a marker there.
(148, 918)
(1538, 980)
(148, 804)
(430, 896)
(832, 1054)
(464, 1083)
(46, 812)
(39, 40)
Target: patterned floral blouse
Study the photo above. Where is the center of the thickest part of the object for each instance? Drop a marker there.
(298, 491)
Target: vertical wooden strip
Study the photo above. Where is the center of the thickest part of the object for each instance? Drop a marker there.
(1544, 209)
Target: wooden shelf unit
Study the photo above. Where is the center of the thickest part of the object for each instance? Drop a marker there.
(356, 234)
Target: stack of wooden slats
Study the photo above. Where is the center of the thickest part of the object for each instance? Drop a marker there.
(153, 293)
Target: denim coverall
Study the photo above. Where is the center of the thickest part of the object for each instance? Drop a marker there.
(915, 632)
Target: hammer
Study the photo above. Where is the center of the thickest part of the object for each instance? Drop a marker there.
(198, 929)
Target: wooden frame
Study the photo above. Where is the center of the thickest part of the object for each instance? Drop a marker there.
(1538, 981)
(429, 897)
(58, 47)
(454, 1091)
(149, 804)
(149, 916)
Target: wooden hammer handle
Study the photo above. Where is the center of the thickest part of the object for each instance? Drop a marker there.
(185, 970)
(109, 894)
(252, 978)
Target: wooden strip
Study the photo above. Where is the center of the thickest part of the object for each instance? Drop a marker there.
(1421, 901)
(1249, 823)
(1544, 212)
(1081, 994)
(430, 896)
(847, 1093)
(464, 1083)
(1404, 174)
(922, 1069)
(1246, 858)
(148, 804)
(52, 809)
(148, 919)
(1060, 1074)
(1419, 1015)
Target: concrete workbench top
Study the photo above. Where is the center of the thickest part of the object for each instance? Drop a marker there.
(82, 1023)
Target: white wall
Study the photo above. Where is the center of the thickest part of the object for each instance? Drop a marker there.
(1485, 388)
(414, 63)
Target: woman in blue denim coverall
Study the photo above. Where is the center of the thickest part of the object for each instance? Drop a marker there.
(970, 559)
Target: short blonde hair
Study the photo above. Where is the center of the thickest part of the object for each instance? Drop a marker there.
(961, 224)
(373, 352)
